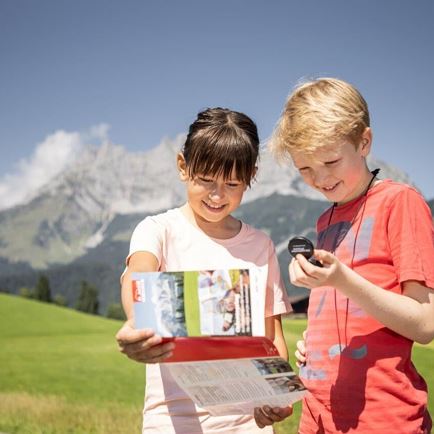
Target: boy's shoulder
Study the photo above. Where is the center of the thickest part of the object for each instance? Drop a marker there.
(386, 195)
(396, 187)
(392, 192)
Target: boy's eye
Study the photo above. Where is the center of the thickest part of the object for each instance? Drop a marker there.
(330, 163)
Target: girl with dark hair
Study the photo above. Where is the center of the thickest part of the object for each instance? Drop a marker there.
(217, 164)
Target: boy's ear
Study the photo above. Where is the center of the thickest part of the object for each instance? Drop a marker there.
(366, 142)
(182, 167)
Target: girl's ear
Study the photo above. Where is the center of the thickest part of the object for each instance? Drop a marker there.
(253, 179)
(365, 146)
(182, 167)
(255, 172)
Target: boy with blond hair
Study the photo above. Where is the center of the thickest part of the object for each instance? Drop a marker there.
(373, 296)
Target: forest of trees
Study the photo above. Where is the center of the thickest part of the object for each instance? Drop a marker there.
(87, 300)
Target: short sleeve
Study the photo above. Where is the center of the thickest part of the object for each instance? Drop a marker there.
(411, 237)
(276, 299)
(148, 236)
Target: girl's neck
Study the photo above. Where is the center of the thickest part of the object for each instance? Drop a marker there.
(227, 228)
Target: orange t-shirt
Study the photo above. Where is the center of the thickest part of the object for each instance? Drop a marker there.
(359, 373)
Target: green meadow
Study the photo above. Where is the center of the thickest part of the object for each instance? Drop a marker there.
(61, 372)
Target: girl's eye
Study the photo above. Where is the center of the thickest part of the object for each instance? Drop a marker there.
(207, 180)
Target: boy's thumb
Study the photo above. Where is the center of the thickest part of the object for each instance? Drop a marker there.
(323, 256)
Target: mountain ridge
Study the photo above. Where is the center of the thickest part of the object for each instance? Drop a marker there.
(70, 214)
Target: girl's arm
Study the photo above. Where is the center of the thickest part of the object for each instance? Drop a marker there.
(267, 415)
(139, 345)
(274, 332)
(411, 314)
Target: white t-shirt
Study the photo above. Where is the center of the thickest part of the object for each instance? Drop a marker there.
(179, 245)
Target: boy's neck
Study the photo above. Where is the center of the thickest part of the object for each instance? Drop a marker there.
(369, 180)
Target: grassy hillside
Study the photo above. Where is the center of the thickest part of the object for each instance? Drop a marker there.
(61, 372)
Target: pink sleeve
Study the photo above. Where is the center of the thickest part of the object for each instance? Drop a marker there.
(411, 238)
(148, 236)
(276, 298)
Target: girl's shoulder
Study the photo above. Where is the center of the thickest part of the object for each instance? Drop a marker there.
(259, 236)
(171, 218)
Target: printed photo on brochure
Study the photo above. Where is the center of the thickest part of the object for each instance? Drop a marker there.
(198, 303)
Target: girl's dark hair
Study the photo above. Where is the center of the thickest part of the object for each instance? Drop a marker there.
(219, 140)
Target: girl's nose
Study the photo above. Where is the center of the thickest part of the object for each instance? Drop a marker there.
(217, 191)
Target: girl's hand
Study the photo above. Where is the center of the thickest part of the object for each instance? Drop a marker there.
(300, 353)
(267, 415)
(303, 273)
(142, 345)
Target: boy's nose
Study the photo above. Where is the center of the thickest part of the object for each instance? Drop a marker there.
(320, 177)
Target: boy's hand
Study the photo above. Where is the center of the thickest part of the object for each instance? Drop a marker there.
(142, 345)
(267, 415)
(303, 273)
(300, 353)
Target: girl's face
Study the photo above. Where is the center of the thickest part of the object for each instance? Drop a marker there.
(212, 198)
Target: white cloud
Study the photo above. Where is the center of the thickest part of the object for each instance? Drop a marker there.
(49, 159)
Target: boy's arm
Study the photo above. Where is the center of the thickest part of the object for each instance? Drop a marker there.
(411, 314)
(139, 345)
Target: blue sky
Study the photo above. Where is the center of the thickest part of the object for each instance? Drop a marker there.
(138, 71)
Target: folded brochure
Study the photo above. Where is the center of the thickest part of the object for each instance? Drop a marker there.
(222, 360)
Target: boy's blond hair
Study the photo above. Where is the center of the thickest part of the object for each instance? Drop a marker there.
(317, 113)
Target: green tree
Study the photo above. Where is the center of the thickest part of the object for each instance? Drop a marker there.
(42, 289)
(115, 311)
(88, 298)
(26, 292)
(60, 300)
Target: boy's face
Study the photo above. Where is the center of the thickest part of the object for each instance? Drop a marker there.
(337, 170)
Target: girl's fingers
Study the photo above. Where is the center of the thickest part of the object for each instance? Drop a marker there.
(260, 418)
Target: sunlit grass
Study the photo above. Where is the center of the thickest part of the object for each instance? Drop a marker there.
(61, 372)
(24, 413)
